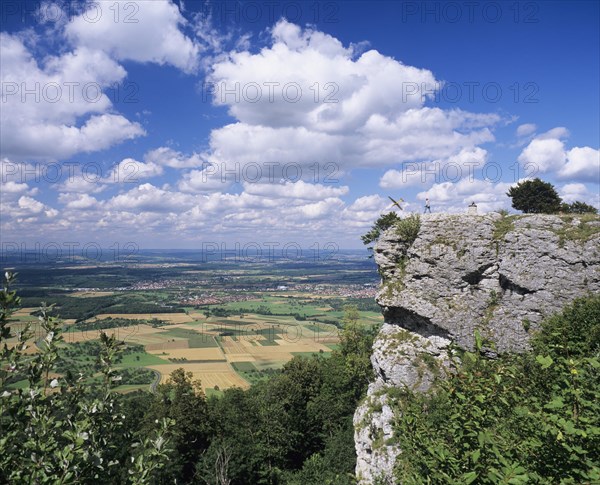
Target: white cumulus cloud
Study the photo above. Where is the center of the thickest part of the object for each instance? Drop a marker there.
(148, 31)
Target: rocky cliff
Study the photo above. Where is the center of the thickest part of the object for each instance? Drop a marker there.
(499, 274)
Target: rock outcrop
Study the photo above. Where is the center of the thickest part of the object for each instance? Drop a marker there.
(499, 274)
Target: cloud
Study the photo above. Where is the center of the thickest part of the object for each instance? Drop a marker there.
(78, 201)
(131, 171)
(455, 197)
(55, 107)
(583, 163)
(42, 105)
(11, 187)
(29, 206)
(573, 192)
(147, 197)
(203, 181)
(579, 192)
(452, 168)
(306, 98)
(364, 210)
(174, 159)
(547, 153)
(146, 31)
(559, 132)
(295, 190)
(81, 183)
(526, 129)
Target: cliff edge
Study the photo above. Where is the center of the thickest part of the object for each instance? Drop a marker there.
(453, 274)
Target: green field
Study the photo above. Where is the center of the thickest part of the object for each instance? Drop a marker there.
(140, 359)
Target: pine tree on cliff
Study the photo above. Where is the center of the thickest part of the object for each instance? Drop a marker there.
(535, 197)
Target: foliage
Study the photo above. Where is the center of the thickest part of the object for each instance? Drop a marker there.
(82, 309)
(109, 322)
(408, 228)
(381, 225)
(535, 196)
(181, 402)
(578, 207)
(531, 418)
(57, 429)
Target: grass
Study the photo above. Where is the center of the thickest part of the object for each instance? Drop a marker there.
(22, 384)
(202, 342)
(444, 241)
(130, 387)
(243, 366)
(210, 392)
(579, 232)
(252, 373)
(180, 333)
(503, 226)
(308, 355)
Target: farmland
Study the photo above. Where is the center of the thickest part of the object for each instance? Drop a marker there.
(229, 324)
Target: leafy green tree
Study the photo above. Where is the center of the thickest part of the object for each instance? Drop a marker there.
(578, 208)
(384, 222)
(181, 401)
(535, 196)
(61, 429)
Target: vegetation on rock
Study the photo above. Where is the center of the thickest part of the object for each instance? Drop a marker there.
(528, 418)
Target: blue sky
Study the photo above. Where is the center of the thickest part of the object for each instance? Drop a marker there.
(183, 124)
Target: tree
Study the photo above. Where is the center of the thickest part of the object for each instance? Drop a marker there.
(182, 401)
(381, 224)
(535, 197)
(578, 208)
(62, 429)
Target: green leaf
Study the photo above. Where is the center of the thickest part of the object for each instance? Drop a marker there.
(545, 362)
(468, 478)
(556, 403)
(478, 343)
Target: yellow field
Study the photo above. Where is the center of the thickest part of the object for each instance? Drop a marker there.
(211, 365)
(210, 374)
(167, 345)
(190, 354)
(22, 312)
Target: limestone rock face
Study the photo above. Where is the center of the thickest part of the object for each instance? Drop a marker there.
(499, 274)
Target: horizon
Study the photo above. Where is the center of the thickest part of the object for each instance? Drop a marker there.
(177, 124)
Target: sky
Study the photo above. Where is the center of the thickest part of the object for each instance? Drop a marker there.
(284, 125)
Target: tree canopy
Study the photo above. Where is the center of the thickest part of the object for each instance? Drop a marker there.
(578, 207)
(535, 197)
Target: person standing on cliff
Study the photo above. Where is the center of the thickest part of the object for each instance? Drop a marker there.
(427, 206)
